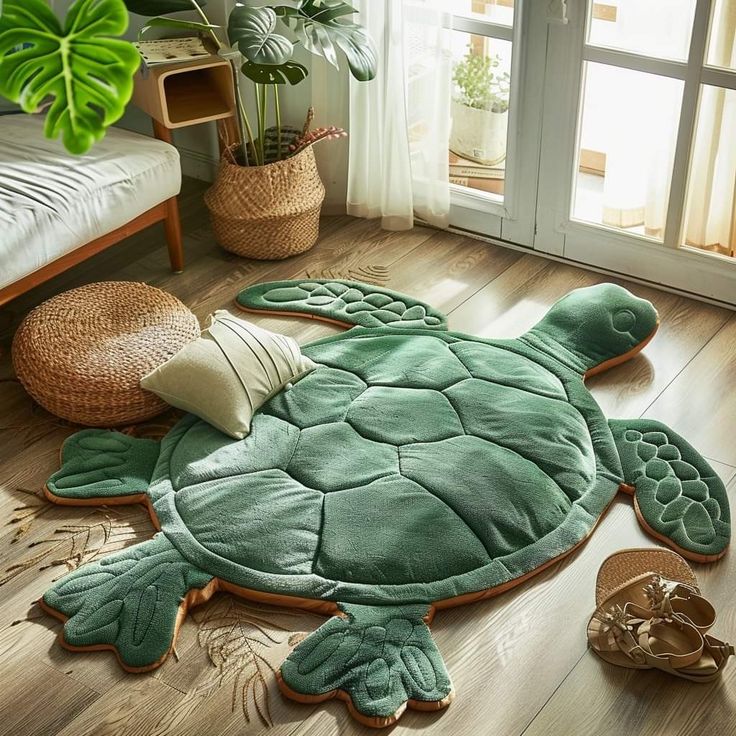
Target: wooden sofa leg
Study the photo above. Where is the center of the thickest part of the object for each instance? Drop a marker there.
(172, 225)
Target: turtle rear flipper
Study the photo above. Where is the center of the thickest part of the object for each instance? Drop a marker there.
(678, 496)
(128, 602)
(343, 302)
(99, 466)
(380, 659)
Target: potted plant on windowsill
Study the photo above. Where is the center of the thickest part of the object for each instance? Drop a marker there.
(480, 109)
(266, 200)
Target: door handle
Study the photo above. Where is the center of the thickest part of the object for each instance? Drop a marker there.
(557, 12)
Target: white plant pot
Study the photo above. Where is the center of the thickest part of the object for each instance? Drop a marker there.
(478, 135)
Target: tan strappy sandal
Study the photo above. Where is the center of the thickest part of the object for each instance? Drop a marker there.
(650, 614)
(631, 636)
(658, 579)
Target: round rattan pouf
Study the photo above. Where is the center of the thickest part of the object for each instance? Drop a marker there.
(82, 354)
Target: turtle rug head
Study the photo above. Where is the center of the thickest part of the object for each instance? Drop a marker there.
(596, 327)
(413, 469)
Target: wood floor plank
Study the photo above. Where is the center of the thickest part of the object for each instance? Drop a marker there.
(137, 706)
(446, 270)
(36, 700)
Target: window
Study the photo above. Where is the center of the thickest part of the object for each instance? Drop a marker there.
(481, 48)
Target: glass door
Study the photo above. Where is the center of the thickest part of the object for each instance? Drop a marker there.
(493, 186)
(638, 152)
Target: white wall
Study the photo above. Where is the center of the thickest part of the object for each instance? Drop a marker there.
(325, 88)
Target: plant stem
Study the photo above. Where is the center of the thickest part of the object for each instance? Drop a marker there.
(248, 129)
(205, 19)
(262, 108)
(244, 122)
(257, 144)
(277, 108)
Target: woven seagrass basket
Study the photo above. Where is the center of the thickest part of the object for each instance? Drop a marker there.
(266, 212)
(81, 355)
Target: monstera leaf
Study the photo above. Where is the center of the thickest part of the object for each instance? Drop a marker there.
(177, 24)
(86, 72)
(254, 32)
(160, 7)
(291, 72)
(322, 25)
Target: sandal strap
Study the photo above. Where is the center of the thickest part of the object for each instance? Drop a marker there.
(673, 660)
(631, 630)
(723, 648)
(663, 593)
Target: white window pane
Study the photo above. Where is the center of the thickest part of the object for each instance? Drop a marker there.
(722, 37)
(495, 11)
(627, 140)
(659, 28)
(710, 222)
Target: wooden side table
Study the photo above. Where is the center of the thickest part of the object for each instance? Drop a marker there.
(179, 95)
(188, 93)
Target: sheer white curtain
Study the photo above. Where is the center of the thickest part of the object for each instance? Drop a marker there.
(400, 122)
(640, 148)
(642, 127)
(711, 205)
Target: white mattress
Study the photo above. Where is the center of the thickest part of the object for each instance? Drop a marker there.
(52, 202)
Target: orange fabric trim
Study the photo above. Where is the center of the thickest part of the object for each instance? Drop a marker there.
(461, 600)
(687, 554)
(141, 498)
(198, 596)
(377, 722)
(288, 312)
(627, 489)
(613, 362)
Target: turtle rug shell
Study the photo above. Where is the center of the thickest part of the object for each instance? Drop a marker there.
(412, 470)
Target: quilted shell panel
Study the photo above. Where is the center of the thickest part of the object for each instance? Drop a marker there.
(392, 479)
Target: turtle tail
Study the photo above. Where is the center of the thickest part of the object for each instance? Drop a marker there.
(343, 302)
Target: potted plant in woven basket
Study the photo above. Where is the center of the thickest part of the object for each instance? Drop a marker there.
(266, 200)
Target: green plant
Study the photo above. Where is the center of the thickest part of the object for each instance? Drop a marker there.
(87, 72)
(81, 66)
(480, 85)
(266, 36)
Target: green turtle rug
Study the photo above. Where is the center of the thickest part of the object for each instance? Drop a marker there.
(413, 470)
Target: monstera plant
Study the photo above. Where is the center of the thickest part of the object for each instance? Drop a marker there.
(266, 36)
(84, 71)
(80, 68)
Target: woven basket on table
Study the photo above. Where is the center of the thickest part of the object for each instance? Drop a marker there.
(81, 355)
(266, 212)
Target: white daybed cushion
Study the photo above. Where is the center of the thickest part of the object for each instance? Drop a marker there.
(52, 202)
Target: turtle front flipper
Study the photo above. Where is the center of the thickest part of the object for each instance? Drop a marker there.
(377, 658)
(678, 497)
(129, 602)
(99, 466)
(344, 302)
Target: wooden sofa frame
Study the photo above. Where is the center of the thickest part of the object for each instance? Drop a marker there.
(167, 211)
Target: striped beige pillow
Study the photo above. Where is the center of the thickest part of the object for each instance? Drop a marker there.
(228, 373)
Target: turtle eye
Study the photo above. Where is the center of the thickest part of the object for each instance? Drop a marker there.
(624, 320)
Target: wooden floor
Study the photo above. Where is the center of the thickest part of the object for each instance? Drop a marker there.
(519, 662)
